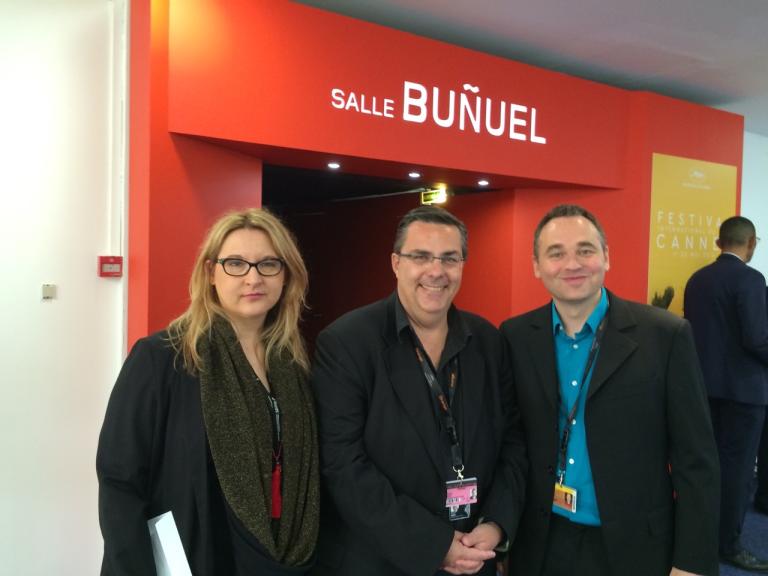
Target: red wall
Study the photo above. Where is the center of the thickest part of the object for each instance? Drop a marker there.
(252, 80)
(263, 71)
(656, 124)
(178, 185)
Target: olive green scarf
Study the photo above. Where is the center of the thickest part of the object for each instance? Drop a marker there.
(239, 427)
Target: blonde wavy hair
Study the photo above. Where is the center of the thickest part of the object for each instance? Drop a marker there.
(281, 326)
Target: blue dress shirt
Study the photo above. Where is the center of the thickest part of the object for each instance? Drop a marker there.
(572, 355)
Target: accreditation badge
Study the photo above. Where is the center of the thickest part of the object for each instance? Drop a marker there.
(460, 495)
(565, 497)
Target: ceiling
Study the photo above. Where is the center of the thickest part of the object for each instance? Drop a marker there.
(712, 52)
(288, 186)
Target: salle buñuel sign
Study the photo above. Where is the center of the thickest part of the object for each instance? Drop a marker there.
(467, 110)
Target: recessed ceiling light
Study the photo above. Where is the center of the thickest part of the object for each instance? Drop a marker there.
(483, 182)
(414, 175)
(334, 165)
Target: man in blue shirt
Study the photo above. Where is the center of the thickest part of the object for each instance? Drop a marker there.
(623, 479)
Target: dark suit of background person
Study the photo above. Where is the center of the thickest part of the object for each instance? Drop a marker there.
(647, 428)
(384, 457)
(725, 303)
(761, 496)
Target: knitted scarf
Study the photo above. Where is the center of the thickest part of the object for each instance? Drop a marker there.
(239, 428)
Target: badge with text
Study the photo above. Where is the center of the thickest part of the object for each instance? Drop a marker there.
(565, 497)
(460, 495)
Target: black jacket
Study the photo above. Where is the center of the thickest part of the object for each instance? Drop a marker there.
(725, 304)
(383, 455)
(153, 457)
(646, 413)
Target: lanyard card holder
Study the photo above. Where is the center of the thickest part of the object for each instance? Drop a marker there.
(460, 495)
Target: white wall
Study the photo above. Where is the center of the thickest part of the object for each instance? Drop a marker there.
(754, 194)
(61, 187)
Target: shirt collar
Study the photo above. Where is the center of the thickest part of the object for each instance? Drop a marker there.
(401, 318)
(594, 319)
(456, 325)
(732, 254)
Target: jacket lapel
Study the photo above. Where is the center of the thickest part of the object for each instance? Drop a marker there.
(411, 389)
(616, 346)
(472, 383)
(542, 351)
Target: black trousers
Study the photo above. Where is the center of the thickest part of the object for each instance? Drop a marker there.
(761, 497)
(737, 429)
(574, 550)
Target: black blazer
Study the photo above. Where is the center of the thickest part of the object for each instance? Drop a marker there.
(383, 457)
(725, 304)
(153, 457)
(646, 411)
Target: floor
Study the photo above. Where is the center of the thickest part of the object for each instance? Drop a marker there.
(754, 537)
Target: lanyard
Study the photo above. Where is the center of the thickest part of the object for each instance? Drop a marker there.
(444, 406)
(274, 410)
(277, 458)
(597, 340)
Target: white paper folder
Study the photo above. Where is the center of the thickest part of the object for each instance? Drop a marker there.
(170, 559)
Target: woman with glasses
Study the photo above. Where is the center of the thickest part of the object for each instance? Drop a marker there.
(212, 420)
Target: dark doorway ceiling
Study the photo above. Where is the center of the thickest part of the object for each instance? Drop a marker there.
(285, 185)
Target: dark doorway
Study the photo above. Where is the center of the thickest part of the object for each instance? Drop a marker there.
(345, 225)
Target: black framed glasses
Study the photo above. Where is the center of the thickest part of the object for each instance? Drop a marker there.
(240, 267)
(426, 258)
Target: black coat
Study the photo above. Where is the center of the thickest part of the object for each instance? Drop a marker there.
(153, 457)
(646, 411)
(383, 456)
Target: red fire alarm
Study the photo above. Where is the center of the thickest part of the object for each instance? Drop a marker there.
(110, 266)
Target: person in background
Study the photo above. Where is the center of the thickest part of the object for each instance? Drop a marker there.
(422, 454)
(725, 302)
(761, 495)
(212, 419)
(624, 478)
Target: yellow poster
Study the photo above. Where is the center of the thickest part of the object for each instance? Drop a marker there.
(689, 200)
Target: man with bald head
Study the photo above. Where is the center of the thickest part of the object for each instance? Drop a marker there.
(725, 302)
